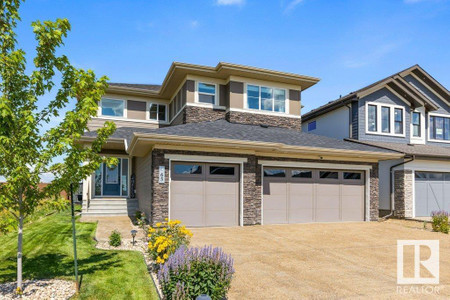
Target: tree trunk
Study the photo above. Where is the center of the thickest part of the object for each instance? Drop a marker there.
(19, 253)
(19, 247)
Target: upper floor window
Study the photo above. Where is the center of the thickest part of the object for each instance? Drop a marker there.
(372, 118)
(206, 93)
(158, 112)
(391, 118)
(416, 126)
(398, 121)
(113, 107)
(439, 128)
(266, 98)
(312, 126)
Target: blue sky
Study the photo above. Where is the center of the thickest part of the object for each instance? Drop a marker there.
(348, 44)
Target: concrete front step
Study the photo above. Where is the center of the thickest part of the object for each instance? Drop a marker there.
(110, 207)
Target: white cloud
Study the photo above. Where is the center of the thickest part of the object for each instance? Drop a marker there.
(230, 2)
(47, 177)
(194, 24)
(371, 57)
(291, 5)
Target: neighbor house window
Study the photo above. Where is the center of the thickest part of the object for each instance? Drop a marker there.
(416, 124)
(112, 107)
(266, 98)
(312, 126)
(439, 128)
(390, 117)
(206, 93)
(398, 121)
(372, 118)
(385, 119)
(158, 112)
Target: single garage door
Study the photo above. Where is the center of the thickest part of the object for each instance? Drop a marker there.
(205, 194)
(309, 195)
(432, 192)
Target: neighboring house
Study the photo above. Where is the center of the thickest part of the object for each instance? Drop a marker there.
(408, 112)
(222, 146)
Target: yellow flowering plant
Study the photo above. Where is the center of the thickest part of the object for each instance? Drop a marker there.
(165, 238)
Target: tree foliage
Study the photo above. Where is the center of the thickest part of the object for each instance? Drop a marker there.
(28, 148)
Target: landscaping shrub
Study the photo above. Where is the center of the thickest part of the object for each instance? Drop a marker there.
(440, 221)
(166, 238)
(115, 239)
(189, 273)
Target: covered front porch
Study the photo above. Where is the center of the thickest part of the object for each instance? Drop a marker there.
(110, 190)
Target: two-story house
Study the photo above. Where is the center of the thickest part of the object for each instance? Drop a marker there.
(222, 146)
(408, 112)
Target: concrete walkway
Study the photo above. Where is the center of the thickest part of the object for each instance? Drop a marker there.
(106, 225)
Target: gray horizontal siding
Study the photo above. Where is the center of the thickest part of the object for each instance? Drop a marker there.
(387, 97)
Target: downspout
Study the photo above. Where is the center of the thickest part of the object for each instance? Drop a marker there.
(391, 186)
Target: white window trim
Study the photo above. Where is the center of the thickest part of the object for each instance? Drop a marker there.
(149, 104)
(392, 119)
(418, 139)
(286, 99)
(429, 131)
(113, 117)
(216, 95)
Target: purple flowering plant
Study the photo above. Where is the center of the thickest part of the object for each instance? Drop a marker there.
(190, 272)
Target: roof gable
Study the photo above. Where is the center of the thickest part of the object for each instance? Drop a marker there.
(397, 84)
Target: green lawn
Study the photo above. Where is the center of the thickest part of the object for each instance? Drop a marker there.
(48, 253)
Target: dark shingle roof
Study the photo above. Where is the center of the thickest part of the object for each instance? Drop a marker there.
(410, 149)
(148, 87)
(222, 129)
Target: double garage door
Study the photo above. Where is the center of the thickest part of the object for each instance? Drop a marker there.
(432, 192)
(308, 195)
(203, 194)
(207, 194)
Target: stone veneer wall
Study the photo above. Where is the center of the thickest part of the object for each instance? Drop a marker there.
(258, 119)
(251, 183)
(195, 114)
(403, 193)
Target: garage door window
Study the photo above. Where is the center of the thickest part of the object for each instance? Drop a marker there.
(352, 176)
(274, 173)
(221, 170)
(186, 169)
(301, 174)
(328, 175)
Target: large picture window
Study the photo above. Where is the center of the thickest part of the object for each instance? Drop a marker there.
(266, 98)
(439, 128)
(385, 119)
(113, 107)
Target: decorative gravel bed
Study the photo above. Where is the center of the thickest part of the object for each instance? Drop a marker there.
(39, 289)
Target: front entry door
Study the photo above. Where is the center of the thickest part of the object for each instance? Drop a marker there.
(111, 180)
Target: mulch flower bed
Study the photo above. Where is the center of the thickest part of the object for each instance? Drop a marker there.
(48, 289)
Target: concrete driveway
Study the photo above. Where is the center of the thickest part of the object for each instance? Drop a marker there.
(347, 260)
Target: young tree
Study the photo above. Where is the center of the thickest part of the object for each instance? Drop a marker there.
(28, 148)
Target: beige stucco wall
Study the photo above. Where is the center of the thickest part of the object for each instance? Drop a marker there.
(236, 94)
(143, 183)
(295, 105)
